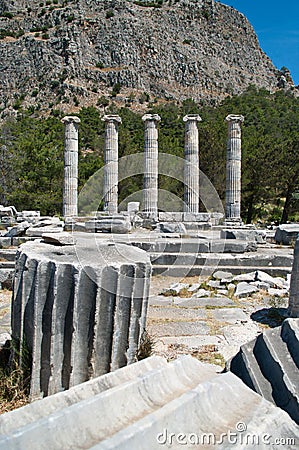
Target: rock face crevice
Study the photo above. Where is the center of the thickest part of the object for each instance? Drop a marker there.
(186, 50)
(78, 320)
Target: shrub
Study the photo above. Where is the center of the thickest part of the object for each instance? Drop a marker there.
(109, 14)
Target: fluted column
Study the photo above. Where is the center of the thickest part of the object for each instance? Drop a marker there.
(150, 189)
(293, 309)
(111, 163)
(70, 186)
(191, 168)
(233, 169)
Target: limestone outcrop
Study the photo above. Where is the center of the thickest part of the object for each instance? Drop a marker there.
(77, 52)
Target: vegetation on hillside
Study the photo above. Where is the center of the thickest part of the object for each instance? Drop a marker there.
(31, 152)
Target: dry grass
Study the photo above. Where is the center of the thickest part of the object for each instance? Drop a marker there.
(146, 346)
(14, 381)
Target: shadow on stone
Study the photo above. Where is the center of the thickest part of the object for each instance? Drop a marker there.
(273, 317)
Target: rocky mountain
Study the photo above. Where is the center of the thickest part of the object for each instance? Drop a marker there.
(69, 53)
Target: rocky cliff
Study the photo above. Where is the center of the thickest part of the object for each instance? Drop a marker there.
(59, 53)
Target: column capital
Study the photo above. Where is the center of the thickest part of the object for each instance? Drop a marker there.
(151, 117)
(70, 119)
(112, 118)
(192, 117)
(234, 118)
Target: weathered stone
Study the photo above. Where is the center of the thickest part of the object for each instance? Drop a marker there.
(6, 278)
(194, 287)
(80, 309)
(30, 216)
(266, 278)
(110, 225)
(170, 216)
(70, 186)
(277, 292)
(244, 289)
(191, 167)
(261, 285)
(177, 287)
(286, 233)
(178, 227)
(203, 302)
(48, 222)
(179, 328)
(214, 283)
(133, 207)
(221, 292)
(293, 308)
(150, 189)
(18, 230)
(8, 211)
(230, 315)
(196, 217)
(232, 246)
(258, 236)
(55, 403)
(38, 232)
(225, 277)
(250, 276)
(201, 293)
(233, 169)
(5, 242)
(111, 163)
(269, 365)
(62, 238)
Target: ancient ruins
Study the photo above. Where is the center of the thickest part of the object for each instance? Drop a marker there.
(80, 303)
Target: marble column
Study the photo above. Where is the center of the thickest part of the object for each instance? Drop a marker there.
(70, 186)
(150, 189)
(293, 308)
(191, 168)
(233, 169)
(111, 163)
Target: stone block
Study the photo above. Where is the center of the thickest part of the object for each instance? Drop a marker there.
(133, 207)
(196, 217)
(62, 238)
(225, 277)
(171, 216)
(232, 246)
(113, 225)
(16, 241)
(268, 365)
(244, 289)
(168, 227)
(266, 278)
(248, 277)
(258, 236)
(38, 232)
(5, 242)
(286, 234)
(18, 230)
(53, 404)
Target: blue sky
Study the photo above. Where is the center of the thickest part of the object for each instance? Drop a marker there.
(276, 24)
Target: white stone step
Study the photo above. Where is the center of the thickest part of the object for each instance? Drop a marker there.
(54, 403)
(207, 413)
(206, 270)
(85, 423)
